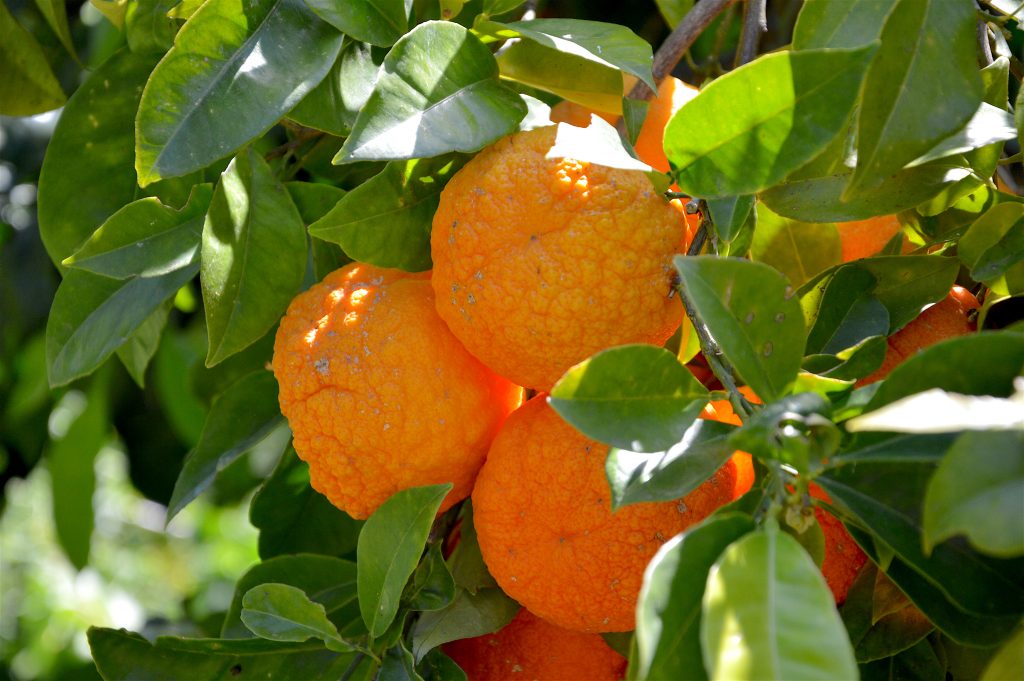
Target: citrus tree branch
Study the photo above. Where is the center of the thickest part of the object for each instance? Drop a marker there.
(755, 22)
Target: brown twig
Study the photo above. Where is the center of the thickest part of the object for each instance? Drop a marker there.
(983, 43)
(755, 23)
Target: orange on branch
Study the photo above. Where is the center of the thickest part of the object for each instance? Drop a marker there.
(542, 510)
(843, 558)
(531, 649)
(540, 263)
(380, 396)
(865, 238)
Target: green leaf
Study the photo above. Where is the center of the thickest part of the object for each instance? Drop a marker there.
(981, 479)
(334, 104)
(234, 70)
(731, 214)
(1008, 661)
(597, 143)
(493, 7)
(28, 86)
(938, 411)
(56, 15)
(768, 614)
(669, 606)
(752, 315)
(466, 562)
(920, 662)
(926, 448)
(292, 517)
(847, 313)
(991, 247)
(839, 23)
(378, 22)
(253, 256)
(899, 119)
(665, 476)
(146, 239)
(796, 104)
(673, 11)
(988, 125)
(90, 155)
(240, 417)
(609, 45)
(140, 347)
(120, 654)
(147, 26)
(386, 220)
(436, 666)
(762, 434)
(398, 665)
(389, 549)
(437, 92)
(280, 612)
(468, 615)
(432, 586)
(850, 364)
(799, 250)
(331, 582)
(92, 316)
(635, 397)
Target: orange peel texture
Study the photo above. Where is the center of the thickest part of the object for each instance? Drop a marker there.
(531, 649)
(542, 510)
(380, 396)
(539, 263)
(843, 558)
(865, 238)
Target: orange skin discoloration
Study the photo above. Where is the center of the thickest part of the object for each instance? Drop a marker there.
(539, 264)
(379, 395)
(542, 510)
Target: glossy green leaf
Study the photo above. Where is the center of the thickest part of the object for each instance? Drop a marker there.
(140, 347)
(92, 316)
(389, 549)
(797, 102)
(378, 22)
(492, 7)
(636, 477)
(432, 586)
(90, 155)
(598, 143)
(731, 214)
(908, 105)
(119, 654)
(993, 247)
(56, 15)
(292, 517)
(468, 615)
(669, 606)
(839, 23)
(752, 314)
(253, 255)
(28, 86)
(850, 364)
(635, 397)
(988, 125)
(926, 448)
(398, 665)
(386, 220)
(243, 415)
(436, 666)
(331, 582)
(762, 433)
(147, 26)
(938, 411)
(234, 70)
(979, 480)
(847, 313)
(1008, 661)
(569, 76)
(146, 239)
(280, 612)
(438, 91)
(334, 104)
(799, 250)
(673, 11)
(768, 614)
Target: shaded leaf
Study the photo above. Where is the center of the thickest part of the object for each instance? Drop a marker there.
(731, 214)
(378, 22)
(147, 26)
(799, 250)
(334, 104)
(280, 612)
(432, 586)
(56, 15)
(1008, 661)
(468, 615)
(839, 23)
(28, 86)
(140, 347)
(989, 125)
(848, 313)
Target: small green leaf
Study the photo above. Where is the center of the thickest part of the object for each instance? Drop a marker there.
(731, 214)
(253, 256)
(761, 433)
(848, 313)
(334, 104)
(235, 68)
(466, 562)
(438, 91)
(635, 397)
(292, 517)
(669, 606)
(1008, 661)
(280, 612)
(768, 614)
(797, 102)
(673, 11)
(331, 582)
(28, 86)
(147, 26)
(432, 586)
(752, 315)
(386, 220)
(378, 22)
(799, 250)
(990, 247)
(988, 125)
(145, 238)
(850, 364)
(140, 347)
(468, 615)
(389, 548)
(839, 23)
(898, 119)
(979, 480)
(436, 666)
(243, 415)
(398, 665)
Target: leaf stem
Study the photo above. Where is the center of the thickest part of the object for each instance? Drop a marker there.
(755, 23)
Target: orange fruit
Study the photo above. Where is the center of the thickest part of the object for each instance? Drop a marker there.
(865, 238)
(380, 396)
(539, 263)
(843, 558)
(542, 510)
(531, 649)
(947, 318)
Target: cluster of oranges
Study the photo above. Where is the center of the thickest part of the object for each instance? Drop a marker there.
(392, 380)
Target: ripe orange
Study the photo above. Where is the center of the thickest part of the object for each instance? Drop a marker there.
(542, 510)
(531, 649)
(843, 558)
(865, 238)
(947, 318)
(539, 263)
(380, 396)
